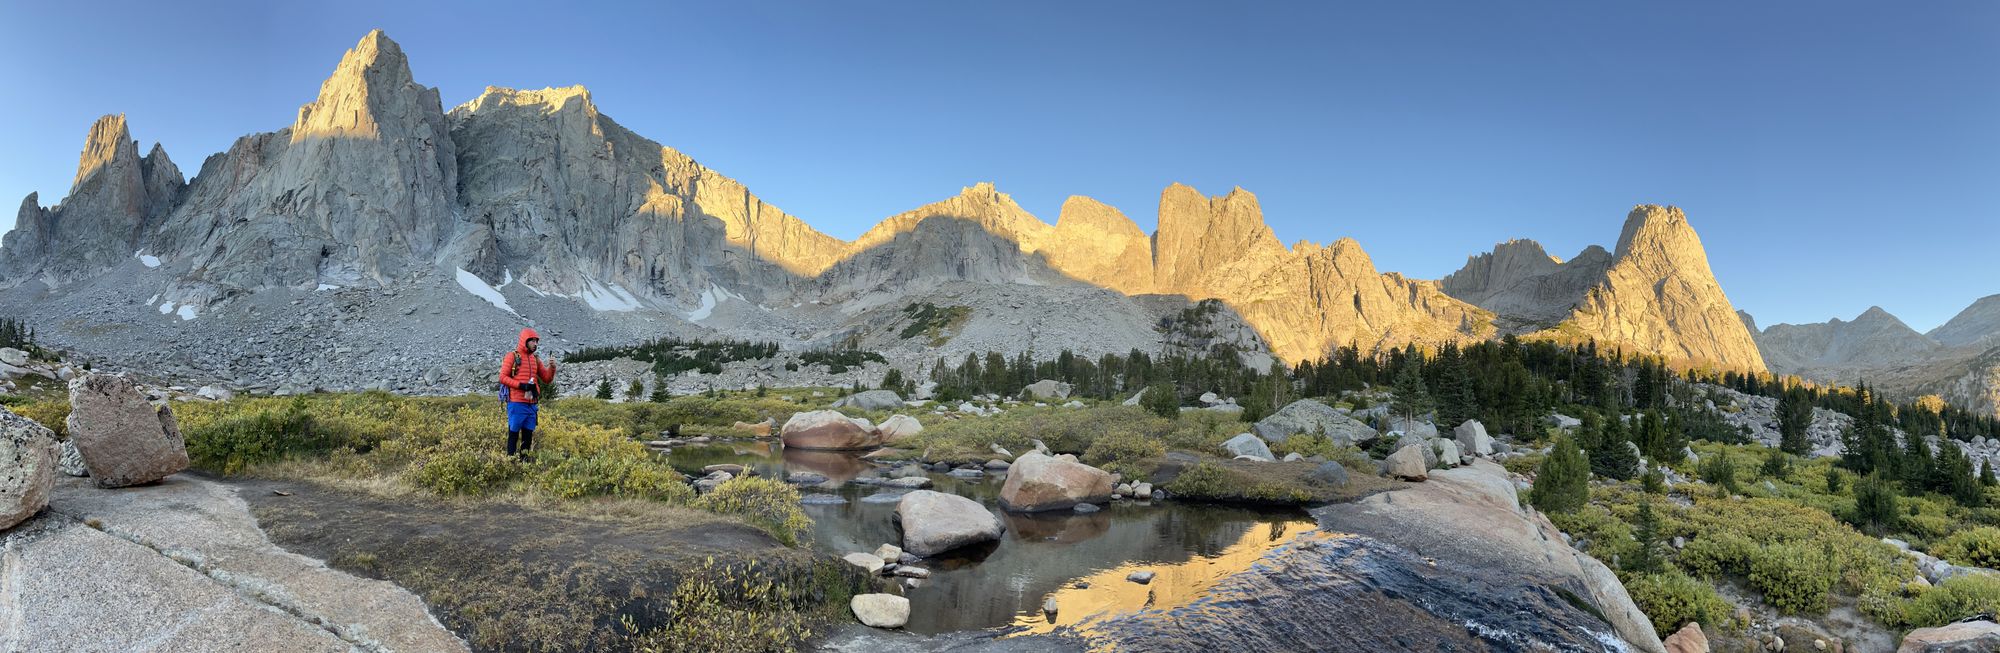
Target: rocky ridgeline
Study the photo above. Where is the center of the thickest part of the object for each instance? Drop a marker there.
(561, 217)
(1758, 416)
(1959, 361)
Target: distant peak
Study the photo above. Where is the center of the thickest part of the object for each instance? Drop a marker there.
(1875, 313)
(550, 99)
(108, 141)
(371, 75)
(1658, 229)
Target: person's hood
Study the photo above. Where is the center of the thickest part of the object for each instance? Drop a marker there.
(521, 344)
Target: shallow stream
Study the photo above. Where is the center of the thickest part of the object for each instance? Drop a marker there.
(1081, 560)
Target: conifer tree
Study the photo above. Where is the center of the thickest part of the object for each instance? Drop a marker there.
(604, 389)
(1411, 399)
(1647, 559)
(1162, 400)
(1875, 505)
(1562, 482)
(1794, 416)
(1986, 477)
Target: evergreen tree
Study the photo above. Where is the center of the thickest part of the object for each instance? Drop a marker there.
(1776, 464)
(1162, 400)
(1875, 505)
(1652, 438)
(1954, 475)
(1612, 455)
(1720, 471)
(1833, 477)
(1647, 559)
(1456, 401)
(1986, 473)
(1411, 400)
(1562, 482)
(1917, 466)
(635, 390)
(1794, 416)
(892, 380)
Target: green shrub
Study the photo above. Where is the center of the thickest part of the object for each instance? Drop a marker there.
(1794, 577)
(1719, 469)
(767, 503)
(464, 472)
(1672, 599)
(1119, 449)
(53, 414)
(1977, 547)
(1207, 481)
(1162, 400)
(1953, 600)
(1308, 445)
(611, 474)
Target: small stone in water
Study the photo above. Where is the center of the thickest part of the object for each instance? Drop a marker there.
(1086, 508)
(1140, 577)
(1049, 606)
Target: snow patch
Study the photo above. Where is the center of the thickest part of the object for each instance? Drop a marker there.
(187, 312)
(167, 307)
(711, 298)
(325, 287)
(604, 297)
(147, 260)
(472, 284)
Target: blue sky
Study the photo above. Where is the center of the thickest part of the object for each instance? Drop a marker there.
(1833, 155)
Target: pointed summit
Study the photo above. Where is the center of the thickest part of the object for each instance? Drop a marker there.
(371, 84)
(1978, 323)
(108, 145)
(1094, 242)
(1200, 235)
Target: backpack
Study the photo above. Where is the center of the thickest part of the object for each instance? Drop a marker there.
(507, 371)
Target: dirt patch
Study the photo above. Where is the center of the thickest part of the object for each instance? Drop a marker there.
(594, 576)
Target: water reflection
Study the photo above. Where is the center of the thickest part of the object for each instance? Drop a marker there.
(1108, 592)
(1004, 583)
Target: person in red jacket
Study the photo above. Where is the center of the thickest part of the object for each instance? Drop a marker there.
(524, 375)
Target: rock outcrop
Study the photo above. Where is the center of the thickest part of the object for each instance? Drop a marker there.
(361, 188)
(113, 203)
(28, 458)
(1964, 637)
(1978, 324)
(1844, 351)
(1096, 244)
(124, 439)
(1655, 294)
(1313, 416)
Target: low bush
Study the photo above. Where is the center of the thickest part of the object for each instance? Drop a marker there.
(1794, 577)
(767, 503)
(464, 472)
(1951, 601)
(1672, 599)
(1977, 547)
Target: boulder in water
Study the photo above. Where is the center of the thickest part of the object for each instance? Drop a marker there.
(829, 430)
(880, 610)
(936, 522)
(1039, 482)
(28, 452)
(871, 400)
(123, 438)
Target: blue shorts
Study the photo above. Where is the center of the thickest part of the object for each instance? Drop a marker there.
(521, 415)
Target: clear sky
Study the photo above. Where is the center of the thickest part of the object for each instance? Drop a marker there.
(1833, 155)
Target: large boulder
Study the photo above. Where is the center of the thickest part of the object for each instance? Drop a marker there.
(1447, 452)
(28, 457)
(1311, 416)
(829, 430)
(880, 610)
(1471, 516)
(1689, 639)
(1038, 482)
(871, 400)
(1964, 637)
(14, 357)
(124, 439)
(898, 427)
(1245, 444)
(1472, 438)
(1408, 463)
(1420, 427)
(936, 522)
(1046, 389)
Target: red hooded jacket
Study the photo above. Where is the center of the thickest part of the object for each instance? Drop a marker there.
(525, 368)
